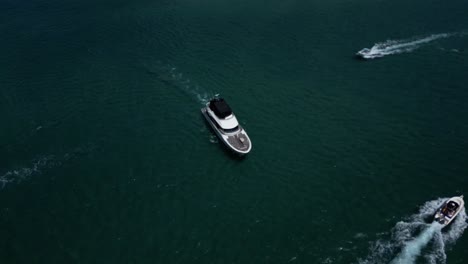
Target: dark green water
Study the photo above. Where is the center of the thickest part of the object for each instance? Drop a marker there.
(105, 157)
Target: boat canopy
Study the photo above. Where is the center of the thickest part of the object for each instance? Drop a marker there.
(452, 205)
(220, 108)
(449, 209)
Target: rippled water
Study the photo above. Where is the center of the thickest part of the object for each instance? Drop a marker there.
(105, 157)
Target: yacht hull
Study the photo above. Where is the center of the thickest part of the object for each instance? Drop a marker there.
(238, 142)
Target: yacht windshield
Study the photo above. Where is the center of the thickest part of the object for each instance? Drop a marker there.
(231, 130)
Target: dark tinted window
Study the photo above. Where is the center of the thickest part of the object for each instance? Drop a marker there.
(231, 130)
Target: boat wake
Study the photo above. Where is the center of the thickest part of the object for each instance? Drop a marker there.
(171, 76)
(415, 238)
(40, 165)
(21, 174)
(413, 248)
(391, 47)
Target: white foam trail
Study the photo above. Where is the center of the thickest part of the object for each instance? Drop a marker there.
(408, 238)
(170, 75)
(188, 87)
(21, 174)
(39, 165)
(391, 47)
(413, 248)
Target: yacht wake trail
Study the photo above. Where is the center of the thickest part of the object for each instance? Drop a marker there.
(170, 76)
(414, 238)
(40, 166)
(391, 47)
(20, 174)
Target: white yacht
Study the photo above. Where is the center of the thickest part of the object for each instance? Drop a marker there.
(223, 121)
(449, 210)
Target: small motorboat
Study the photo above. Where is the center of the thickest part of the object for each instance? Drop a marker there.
(449, 210)
(363, 54)
(374, 52)
(223, 121)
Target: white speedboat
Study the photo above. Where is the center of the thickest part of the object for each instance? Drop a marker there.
(449, 210)
(223, 121)
(375, 52)
(372, 53)
(363, 53)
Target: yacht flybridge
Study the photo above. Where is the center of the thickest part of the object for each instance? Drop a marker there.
(223, 121)
(449, 210)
